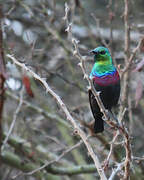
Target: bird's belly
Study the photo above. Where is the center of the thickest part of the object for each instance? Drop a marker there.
(109, 94)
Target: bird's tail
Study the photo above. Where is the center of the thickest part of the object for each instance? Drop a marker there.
(99, 123)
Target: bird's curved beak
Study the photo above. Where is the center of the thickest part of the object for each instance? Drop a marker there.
(93, 52)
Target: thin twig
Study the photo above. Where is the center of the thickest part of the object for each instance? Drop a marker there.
(50, 162)
(14, 119)
(53, 138)
(106, 162)
(115, 171)
(97, 21)
(38, 109)
(55, 160)
(132, 56)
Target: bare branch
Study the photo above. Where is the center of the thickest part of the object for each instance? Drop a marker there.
(68, 115)
(2, 73)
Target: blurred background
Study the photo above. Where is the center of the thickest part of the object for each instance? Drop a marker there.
(34, 31)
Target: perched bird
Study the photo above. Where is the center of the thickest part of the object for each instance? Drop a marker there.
(106, 80)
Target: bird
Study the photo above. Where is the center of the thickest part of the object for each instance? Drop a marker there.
(106, 80)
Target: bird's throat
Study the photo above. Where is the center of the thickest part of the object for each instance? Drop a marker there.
(101, 69)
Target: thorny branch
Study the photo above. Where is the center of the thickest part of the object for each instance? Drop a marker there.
(120, 127)
(2, 75)
(91, 86)
(78, 130)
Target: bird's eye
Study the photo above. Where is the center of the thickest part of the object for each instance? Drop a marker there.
(102, 52)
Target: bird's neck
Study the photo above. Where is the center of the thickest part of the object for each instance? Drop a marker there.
(102, 68)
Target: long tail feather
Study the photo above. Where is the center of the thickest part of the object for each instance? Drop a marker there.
(99, 123)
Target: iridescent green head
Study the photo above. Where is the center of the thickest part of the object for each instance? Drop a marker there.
(102, 62)
(102, 55)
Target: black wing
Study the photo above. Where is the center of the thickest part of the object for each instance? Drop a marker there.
(99, 123)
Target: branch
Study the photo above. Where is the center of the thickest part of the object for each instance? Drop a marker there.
(38, 109)
(86, 76)
(115, 171)
(132, 56)
(15, 161)
(127, 30)
(83, 169)
(77, 54)
(78, 130)
(111, 149)
(120, 127)
(23, 147)
(14, 120)
(73, 170)
(126, 88)
(2, 74)
(55, 160)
